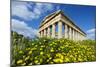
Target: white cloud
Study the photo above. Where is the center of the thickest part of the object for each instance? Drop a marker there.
(91, 30)
(21, 10)
(22, 28)
(91, 33)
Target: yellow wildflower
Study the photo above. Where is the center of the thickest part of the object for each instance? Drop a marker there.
(23, 64)
(27, 58)
(33, 48)
(80, 59)
(36, 61)
(58, 60)
(30, 64)
(52, 50)
(67, 59)
(20, 51)
(41, 48)
(41, 60)
(19, 61)
(30, 52)
(41, 53)
(51, 62)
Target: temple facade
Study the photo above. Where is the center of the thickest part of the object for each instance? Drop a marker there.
(57, 25)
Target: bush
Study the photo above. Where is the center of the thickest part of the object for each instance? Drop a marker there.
(50, 51)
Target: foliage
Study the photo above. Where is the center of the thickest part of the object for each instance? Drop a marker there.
(38, 51)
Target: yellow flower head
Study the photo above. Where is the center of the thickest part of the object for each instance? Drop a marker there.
(19, 61)
(58, 60)
(52, 50)
(20, 51)
(27, 58)
(41, 53)
(36, 61)
(23, 64)
(30, 52)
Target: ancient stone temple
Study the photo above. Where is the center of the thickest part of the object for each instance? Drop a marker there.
(57, 25)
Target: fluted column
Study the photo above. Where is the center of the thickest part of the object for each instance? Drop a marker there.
(81, 37)
(66, 31)
(44, 32)
(40, 34)
(73, 35)
(48, 33)
(76, 36)
(59, 29)
(70, 32)
(53, 31)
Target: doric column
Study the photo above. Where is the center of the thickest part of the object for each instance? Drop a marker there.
(66, 31)
(44, 32)
(39, 33)
(76, 36)
(81, 37)
(53, 31)
(48, 33)
(73, 35)
(59, 29)
(70, 32)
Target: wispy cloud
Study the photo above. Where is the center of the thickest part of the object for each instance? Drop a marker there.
(22, 28)
(91, 33)
(21, 10)
(41, 8)
(91, 30)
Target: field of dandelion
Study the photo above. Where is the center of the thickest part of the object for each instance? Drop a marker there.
(39, 51)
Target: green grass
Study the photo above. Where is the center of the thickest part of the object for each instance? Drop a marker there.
(50, 51)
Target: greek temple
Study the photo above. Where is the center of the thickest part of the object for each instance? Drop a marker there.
(57, 25)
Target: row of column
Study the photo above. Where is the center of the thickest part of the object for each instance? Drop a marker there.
(69, 32)
(72, 33)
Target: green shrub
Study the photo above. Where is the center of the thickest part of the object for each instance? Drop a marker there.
(25, 51)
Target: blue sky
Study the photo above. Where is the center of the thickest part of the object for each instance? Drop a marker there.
(27, 16)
